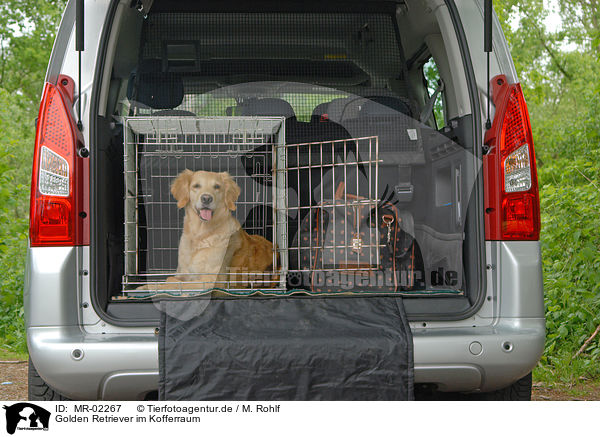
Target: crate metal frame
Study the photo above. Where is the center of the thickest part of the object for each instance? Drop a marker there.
(216, 139)
(220, 139)
(328, 199)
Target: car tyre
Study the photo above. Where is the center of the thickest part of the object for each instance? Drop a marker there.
(38, 390)
(519, 391)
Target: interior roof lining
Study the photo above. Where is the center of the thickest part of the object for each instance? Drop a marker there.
(275, 6)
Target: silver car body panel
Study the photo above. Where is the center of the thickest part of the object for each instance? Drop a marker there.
(489, 350)
(122, 362)
(125, 366)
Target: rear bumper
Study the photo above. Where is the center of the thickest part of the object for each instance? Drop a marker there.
(125, 367)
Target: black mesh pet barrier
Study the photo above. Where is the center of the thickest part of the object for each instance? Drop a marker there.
(285, 349)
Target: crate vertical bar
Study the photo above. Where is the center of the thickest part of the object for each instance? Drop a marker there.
(130, 200)
(280, 200)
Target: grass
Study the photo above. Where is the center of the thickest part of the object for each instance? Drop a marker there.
(6, 355)
(560, 368)
(582, 389)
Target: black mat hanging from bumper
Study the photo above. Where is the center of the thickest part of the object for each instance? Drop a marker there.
(285, 349)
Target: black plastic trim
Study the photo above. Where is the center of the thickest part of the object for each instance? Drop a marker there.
(478, 187)
(421, 51)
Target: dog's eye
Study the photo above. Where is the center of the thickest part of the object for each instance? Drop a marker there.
(196, 186)
(217, 186)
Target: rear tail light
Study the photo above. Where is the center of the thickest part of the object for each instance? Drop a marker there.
(517, 170)
(512, 201)
(54, 174)
(58, 208)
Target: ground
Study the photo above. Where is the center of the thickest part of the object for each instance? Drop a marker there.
(15, 374)
(583, 391)
(13, 381)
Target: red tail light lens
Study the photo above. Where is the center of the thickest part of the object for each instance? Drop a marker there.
(511, 191)
(57, 211)
(518, 220)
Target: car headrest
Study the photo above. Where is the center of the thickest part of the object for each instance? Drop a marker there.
(268, 107)
(151, 86)
(335, 108)
(384, 106)
(318, 112)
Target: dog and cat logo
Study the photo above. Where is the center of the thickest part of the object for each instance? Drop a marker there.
(26, 416)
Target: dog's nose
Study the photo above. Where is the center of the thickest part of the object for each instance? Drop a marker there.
(206, 199)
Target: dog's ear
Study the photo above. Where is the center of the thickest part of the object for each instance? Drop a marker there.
(180, 189)
(232, 191)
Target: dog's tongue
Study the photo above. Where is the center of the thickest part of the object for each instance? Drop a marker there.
(206, 214)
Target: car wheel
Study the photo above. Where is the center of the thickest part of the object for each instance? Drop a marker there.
(519, 391)
(38, 390)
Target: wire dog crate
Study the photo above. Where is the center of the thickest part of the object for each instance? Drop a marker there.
(157, 149)
(285, 191)
(326, 180)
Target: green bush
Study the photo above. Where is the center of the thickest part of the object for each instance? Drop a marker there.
(567, 138)
(570, 241)
(16, 141)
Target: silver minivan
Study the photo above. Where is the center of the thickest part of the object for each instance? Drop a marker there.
(411, 105)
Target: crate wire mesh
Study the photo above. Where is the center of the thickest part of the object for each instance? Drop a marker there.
(281, 185)
(327, 180)
(157, 149)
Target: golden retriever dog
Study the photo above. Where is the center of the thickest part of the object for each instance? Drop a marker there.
(211, 234)
(212, 242)
(252, 262)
